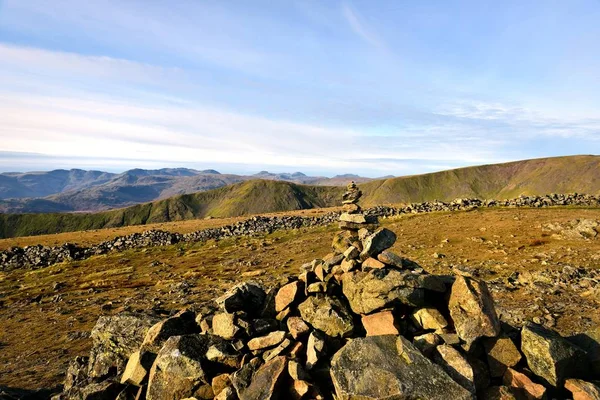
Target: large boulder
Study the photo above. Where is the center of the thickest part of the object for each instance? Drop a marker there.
(501, 353)
(389, 367)
(382, 288)
(327, 314)
(114, 339)
(181, 323)
(183, 365)
(550, 356)
(472, 309)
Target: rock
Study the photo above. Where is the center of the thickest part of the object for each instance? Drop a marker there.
(296, 371)
(299, 389)
(204, 392)
(137, 368)
(314, 348)
(274, 352)
(389, 258)
(377, 242)
(355, 218)
(349, 265)
(260, 326)
(297, 327)
(351, 208)
(499, 393)
(223, 325)
(389, 367)
(377, 289)
(501, 354)
(106, 390)
(266, 382)
(182, 323)
(472, 309)
(264, 342)
(518, 380)
(381, 323)
(429, 318)
(455, 365)
(373, 263)
(226, 394)
(427, 343)
(246, 296)
(582, 390)
(180, 366)
(77, 373)
(550, 356)
(351, 253)
(114, 339)
(342, 240)
(317, 287)
(590, 342)
(241, 378)
(327, 314)
(287, 295)
(220, 382)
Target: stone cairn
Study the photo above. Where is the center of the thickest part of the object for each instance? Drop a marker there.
(360, 323)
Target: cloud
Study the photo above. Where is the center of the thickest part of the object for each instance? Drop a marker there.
(360, 28)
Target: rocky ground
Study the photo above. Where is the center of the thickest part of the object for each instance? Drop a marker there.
(534, 271)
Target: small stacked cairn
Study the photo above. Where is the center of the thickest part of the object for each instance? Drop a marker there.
(359, 323)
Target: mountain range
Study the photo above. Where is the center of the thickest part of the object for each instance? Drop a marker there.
(570, 174)
(79, 190)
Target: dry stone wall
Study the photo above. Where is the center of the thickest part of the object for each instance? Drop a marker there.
(33, 257)
(358, 323)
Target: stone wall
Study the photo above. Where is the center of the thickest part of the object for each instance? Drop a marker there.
(33, 257)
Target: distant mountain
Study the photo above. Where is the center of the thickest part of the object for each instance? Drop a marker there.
(498, 181)
(78, 190)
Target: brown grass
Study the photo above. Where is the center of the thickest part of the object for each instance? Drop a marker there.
(37, 338)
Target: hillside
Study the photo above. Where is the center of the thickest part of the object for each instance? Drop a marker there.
(89, 191)
(496, 181)
(252, 197)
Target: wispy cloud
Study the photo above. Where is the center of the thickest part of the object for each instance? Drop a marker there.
(360, 28)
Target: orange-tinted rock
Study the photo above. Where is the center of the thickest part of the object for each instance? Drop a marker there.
(582, 390)
(381, 323)
(518, 380)
(373, 263)
(287, 295)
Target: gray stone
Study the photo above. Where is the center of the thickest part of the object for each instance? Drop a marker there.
(472, 309)
(377, 289)
(328, 314)
(550, 356)
(389, 367)
(114, 339)
(180, 367)
(266, 382)
(377, 242)
(246, 296)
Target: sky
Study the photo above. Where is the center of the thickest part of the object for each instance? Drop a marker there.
(324, 87)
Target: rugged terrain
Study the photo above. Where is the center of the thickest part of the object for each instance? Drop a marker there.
(79, 190)
(537, 263)
(497, 181)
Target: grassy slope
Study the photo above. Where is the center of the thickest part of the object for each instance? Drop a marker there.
(540, 176)
(498, 181)
(250, 197)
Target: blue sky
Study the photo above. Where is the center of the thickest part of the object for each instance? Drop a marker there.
(324, 87)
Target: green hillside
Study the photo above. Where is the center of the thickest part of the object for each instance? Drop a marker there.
(252, 197)
(498, 181)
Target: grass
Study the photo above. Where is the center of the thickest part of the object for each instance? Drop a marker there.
(39, 339)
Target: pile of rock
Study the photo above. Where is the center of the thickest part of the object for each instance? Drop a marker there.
(360, 323)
